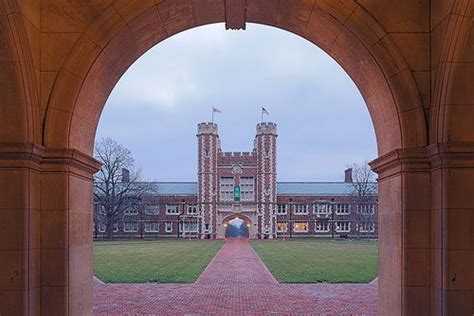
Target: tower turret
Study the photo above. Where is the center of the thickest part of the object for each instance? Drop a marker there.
(208, 148)
(265, 148)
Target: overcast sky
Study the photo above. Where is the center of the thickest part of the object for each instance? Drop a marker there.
(323, 122)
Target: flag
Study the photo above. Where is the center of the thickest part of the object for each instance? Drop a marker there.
(264, 111)
(216, 110)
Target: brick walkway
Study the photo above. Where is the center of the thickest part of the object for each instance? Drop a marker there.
(235, 283)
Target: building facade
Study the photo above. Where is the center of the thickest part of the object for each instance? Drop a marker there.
(244, 185)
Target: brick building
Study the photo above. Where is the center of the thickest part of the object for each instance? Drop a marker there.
(244, 185)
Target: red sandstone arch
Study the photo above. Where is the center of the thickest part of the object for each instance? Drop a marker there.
(123, 33)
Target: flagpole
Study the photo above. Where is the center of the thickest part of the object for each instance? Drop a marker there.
(212, 116)
(262, 116)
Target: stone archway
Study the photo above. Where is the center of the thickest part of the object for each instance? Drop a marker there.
(60, 61)
(222, 228)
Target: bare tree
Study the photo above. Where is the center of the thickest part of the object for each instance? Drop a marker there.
(364, 193)
(116, 184)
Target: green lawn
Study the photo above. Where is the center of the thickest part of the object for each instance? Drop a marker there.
(319, 260)
(163, 261)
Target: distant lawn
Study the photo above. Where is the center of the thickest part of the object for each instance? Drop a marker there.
(319, 260)
(163, 261)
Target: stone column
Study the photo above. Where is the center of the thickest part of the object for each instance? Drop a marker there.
(452, 187)
(46, 207)
(404, 232)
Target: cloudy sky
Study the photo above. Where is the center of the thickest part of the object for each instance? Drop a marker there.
(323, 122)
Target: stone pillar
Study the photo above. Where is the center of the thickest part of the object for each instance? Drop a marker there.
(208, 150)
(404, 232)
(266, 190)
(426, 230)
(47, 239)
(452, 187)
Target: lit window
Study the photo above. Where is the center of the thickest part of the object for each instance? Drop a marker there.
(151, 227)
(172, 209)
(246, 188)
(343, 227)
(152, 209)
(282, 227)
(300, 227)
(322, 227)
(301, 209)
(130, 227)
(226, 189)
(168, 227)
(281, 209)
(130, 210)
(342, 209)
(192, 209)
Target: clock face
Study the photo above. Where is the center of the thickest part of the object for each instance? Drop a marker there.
(237, 169)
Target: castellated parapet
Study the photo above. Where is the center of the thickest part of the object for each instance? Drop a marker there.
(267, 128)
(208, 128)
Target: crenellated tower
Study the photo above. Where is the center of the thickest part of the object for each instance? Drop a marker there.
(266, 190)
(208, 148)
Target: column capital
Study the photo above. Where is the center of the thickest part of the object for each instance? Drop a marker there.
(413, 159)
(422, 159)
(42, 158)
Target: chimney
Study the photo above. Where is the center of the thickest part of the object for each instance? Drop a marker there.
(125, 175)
(348, 175)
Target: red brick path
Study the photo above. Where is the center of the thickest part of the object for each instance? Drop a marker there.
(235, 283)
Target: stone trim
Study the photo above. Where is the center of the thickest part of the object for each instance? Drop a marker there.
(47, 159)
(401, 160)
(422, 159)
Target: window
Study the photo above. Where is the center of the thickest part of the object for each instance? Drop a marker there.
(246, 188)
(116, 227)
(322, 208)
(300, 227)
(130, 227)
(152, 209)
(301, 209)
(101, 209)
(102, 227)
(322, 227)
(367, 227)
(343, 227)
(282, 227)
(172, 209)
(207, 153)
(168, 227)
(192, 209)
(366, 209)
(130, 210)
(227, 189)
(267, 153)
(189, 227)
(151, 227)
(342, 209)
(281, 209)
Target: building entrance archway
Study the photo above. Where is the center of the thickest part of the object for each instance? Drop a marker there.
(61, 60)
(248, 230)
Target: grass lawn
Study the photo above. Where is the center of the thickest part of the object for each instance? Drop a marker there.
(163, 261)
(319, 260)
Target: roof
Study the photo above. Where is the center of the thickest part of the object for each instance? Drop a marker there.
(283, 188)
(175, 188)
(315, 188)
